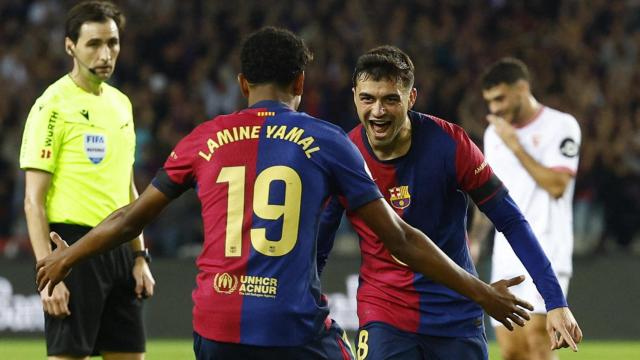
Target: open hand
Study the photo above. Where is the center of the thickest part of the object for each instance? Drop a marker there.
(505, 307)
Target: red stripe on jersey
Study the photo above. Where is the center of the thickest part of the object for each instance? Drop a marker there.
(345, 353)
(472, 171)
(386, 292)
(217, 312)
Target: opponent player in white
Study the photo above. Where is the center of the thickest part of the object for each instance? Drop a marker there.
(534, 150)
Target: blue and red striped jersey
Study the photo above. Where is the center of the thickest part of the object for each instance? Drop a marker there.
(428, 188)
(263, 175)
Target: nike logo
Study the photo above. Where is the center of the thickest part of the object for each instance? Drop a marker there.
(85, 113)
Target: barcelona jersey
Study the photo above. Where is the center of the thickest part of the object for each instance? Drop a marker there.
(428, 187)
(263, 175)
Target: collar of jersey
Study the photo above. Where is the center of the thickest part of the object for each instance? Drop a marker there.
(271, 105)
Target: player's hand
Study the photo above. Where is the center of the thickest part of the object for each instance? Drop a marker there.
(53, 268)
(563, 329)
(505, 131)
(56, 304)
(505, 307)
(144, 279)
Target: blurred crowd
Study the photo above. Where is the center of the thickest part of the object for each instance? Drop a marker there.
(179, 61)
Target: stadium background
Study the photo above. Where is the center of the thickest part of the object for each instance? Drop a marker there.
(178, 65)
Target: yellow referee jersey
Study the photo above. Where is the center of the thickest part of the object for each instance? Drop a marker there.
(87, 142)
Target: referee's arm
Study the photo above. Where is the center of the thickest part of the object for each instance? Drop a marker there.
(37, 183)
(141, 272)
(137, 244)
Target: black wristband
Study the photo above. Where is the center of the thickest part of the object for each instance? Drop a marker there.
(144, 253)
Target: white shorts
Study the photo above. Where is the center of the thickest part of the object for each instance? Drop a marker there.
(527, 291)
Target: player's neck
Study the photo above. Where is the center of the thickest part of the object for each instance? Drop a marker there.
(271, 92)
(530, 109)
(86, 84)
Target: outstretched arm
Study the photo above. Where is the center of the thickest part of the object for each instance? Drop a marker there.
(415, 249)
(480, 229)
(119, 227)
(561, 325)
(37, 185)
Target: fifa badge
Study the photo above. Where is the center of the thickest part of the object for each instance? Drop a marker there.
(95, 146)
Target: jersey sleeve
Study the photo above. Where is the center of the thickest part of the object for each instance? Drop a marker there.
(473, 173)
(564, 147)
(177, 174)
(42, 138)
(508, 219)
(350, 173)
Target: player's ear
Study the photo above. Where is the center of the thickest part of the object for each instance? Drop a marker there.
(523, 86)
(68, 46)
(413, 96)
(298, 84)
(244, 85)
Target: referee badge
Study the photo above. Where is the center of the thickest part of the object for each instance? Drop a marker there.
(95, 146)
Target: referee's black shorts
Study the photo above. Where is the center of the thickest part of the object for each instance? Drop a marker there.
(105, 313)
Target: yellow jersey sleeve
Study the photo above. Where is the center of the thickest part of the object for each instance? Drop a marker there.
(42, 137)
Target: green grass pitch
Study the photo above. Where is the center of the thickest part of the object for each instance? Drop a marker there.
(165, 349)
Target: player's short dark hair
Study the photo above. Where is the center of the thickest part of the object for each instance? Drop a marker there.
(273, 55)
(385, 62)
(507, 70)
(91, 11)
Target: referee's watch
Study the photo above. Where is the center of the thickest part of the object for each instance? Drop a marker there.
(144, 253)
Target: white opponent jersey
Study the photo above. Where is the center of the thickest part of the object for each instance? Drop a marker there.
(552, 138)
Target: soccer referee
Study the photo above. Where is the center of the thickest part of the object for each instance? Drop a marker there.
(78, 151)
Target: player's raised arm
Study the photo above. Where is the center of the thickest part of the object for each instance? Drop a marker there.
(421, 254)
(119, 227)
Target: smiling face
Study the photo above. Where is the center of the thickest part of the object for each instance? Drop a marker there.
(382, 107)
(96, 51)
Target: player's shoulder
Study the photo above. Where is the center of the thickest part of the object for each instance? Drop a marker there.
(558, 116)
(429, 123)
(322, 126)
(559, 119)
(322, 131)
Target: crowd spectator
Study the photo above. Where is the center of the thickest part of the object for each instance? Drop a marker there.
(180, 61)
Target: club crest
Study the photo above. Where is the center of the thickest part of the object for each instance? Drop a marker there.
(95, 146)
(400, 197)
